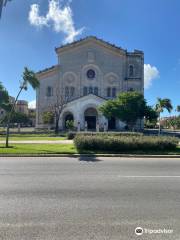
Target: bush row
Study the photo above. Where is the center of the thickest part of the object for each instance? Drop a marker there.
(125, 143)
(72, 135)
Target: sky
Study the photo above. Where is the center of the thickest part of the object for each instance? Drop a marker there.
(30, 30)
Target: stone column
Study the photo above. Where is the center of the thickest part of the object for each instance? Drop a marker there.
(79, 126)
(86, 126)
(105, 126)
(19, 127)
(97, 126)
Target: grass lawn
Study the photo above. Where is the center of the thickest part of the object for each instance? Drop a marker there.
(21, 137)
(38, 148)
(65, 149)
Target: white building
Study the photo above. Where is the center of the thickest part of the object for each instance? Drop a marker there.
(88, 72)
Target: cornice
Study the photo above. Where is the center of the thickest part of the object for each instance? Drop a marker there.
(47, 72)
(94, 39)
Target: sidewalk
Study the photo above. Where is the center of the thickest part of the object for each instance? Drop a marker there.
(40, 142)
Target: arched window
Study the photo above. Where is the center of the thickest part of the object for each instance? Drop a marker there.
(114, 92)
(49, 91)
(131, 71)
(96, 91)
(108, 92)
(91, 74)
(85, 91)
(90, 90)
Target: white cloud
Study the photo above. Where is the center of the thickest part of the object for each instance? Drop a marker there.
(60, 18)
(34, 17)
(32, 104)
(150, 73)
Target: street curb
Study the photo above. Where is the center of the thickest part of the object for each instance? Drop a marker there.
(91, 155)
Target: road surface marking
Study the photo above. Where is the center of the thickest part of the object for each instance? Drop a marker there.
(153, 176)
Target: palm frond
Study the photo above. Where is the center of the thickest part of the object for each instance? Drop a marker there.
(29, 77)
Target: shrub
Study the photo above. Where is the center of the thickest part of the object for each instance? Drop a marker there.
(108, 134)
(124, 143)
(48, 117)
(71, 135)
(70, 124)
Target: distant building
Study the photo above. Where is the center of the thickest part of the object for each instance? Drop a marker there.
(22, 106)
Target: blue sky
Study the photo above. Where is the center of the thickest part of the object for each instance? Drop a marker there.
(151, 26)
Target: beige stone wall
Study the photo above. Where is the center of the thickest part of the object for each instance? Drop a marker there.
(111, 66)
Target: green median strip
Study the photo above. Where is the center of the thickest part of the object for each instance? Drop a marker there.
(38, 149)
(22, 138)
(70, 149)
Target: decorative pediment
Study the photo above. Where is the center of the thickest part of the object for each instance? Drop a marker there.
(94, 40)
(88, 98)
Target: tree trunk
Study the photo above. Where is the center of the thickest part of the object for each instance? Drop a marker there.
(57, 126)
(159, 124)
(9, 118)
(7, 134)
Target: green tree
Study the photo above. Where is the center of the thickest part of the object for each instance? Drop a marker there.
(70, 124)
(162, 103)
(174, 122)
(128, 107)
(17, 117)
(150, 117)
(28, 78)
(4, 98)
(48, 117)
(150, 114)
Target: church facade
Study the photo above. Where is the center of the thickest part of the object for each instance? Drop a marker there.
(89, 72)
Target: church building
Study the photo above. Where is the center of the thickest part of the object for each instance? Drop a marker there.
(88, 73)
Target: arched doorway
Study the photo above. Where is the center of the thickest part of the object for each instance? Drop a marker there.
(112, 123)
(90, 117)
(68, 117)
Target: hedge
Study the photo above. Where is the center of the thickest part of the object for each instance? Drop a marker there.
(124, 143)
(72, 135)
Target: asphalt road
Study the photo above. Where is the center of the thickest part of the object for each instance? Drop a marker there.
(89, 199)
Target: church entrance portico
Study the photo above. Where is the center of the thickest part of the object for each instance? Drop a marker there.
(84, 112)
(90, 118)
(67, 116)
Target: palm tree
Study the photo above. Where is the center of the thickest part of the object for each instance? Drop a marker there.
(162, 103)
(3, 4)
(29, 77)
